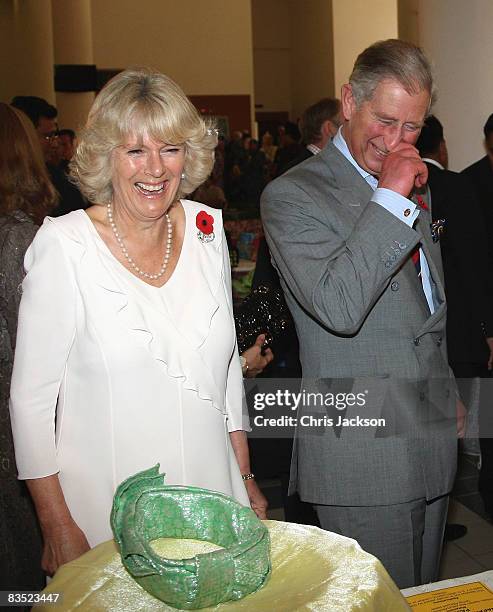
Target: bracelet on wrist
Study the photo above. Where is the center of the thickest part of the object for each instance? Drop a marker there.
(248, 476)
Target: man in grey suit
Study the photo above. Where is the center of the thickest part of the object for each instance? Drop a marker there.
(361, 270)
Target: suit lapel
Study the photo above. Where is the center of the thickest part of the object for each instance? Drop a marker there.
(351, 188)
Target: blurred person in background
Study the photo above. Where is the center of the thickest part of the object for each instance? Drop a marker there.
(67, 143)
(268, 147)
(43, 116)
(480, 175)
(26, 196)
(290, 147)
(319, 124)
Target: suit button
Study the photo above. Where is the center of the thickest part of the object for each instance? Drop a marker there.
(416, 341)
(395, 286)
(439, 341)
(422, 397)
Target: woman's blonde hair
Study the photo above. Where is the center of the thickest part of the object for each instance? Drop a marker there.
(24, 181)
(141, 102)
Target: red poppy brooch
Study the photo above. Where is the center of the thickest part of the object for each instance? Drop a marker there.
(205, 225)
(421, 203)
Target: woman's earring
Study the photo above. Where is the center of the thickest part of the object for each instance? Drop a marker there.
(182, 175)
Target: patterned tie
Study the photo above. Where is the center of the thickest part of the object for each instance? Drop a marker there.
(415, 258)
(415, 252)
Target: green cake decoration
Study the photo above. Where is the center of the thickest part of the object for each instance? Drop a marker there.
(145, 509)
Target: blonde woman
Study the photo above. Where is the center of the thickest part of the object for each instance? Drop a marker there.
(126, 318)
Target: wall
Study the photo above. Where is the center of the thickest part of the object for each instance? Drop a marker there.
(26, 49)
(271, 32)
(205, 46)
(458, 38)
(358, 24)
(293, 55)
(72, 44)
(235, 108)
(408, 20)
(8, 81)
(312, 56)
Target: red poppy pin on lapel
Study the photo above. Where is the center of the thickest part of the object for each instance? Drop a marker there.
(422, 203)
(205, 225)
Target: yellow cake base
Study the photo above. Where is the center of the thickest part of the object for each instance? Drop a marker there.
(312, 570)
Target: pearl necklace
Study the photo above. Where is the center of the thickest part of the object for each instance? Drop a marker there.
(132, 263)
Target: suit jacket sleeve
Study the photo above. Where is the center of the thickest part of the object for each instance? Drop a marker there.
(335, 267)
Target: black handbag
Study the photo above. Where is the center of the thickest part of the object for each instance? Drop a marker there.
(263, 311)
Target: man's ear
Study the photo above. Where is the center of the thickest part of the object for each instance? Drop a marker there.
(348, 103)
(328, 130)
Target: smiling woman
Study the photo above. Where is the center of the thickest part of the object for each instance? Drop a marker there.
(136, 348)
(126, 111)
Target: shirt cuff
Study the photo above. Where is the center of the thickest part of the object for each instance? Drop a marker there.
(398, 205)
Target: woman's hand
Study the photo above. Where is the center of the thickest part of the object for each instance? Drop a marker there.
(62, 537)
(257, 499)
(255, 360)
(62, 544)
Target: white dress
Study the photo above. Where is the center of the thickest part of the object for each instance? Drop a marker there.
(143, 375)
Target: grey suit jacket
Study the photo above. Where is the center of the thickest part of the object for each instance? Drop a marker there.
(363, 323)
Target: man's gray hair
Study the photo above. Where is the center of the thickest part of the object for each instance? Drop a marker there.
(391, 59)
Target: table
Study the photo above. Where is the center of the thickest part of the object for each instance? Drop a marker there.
(313, 570)
(484, 577)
